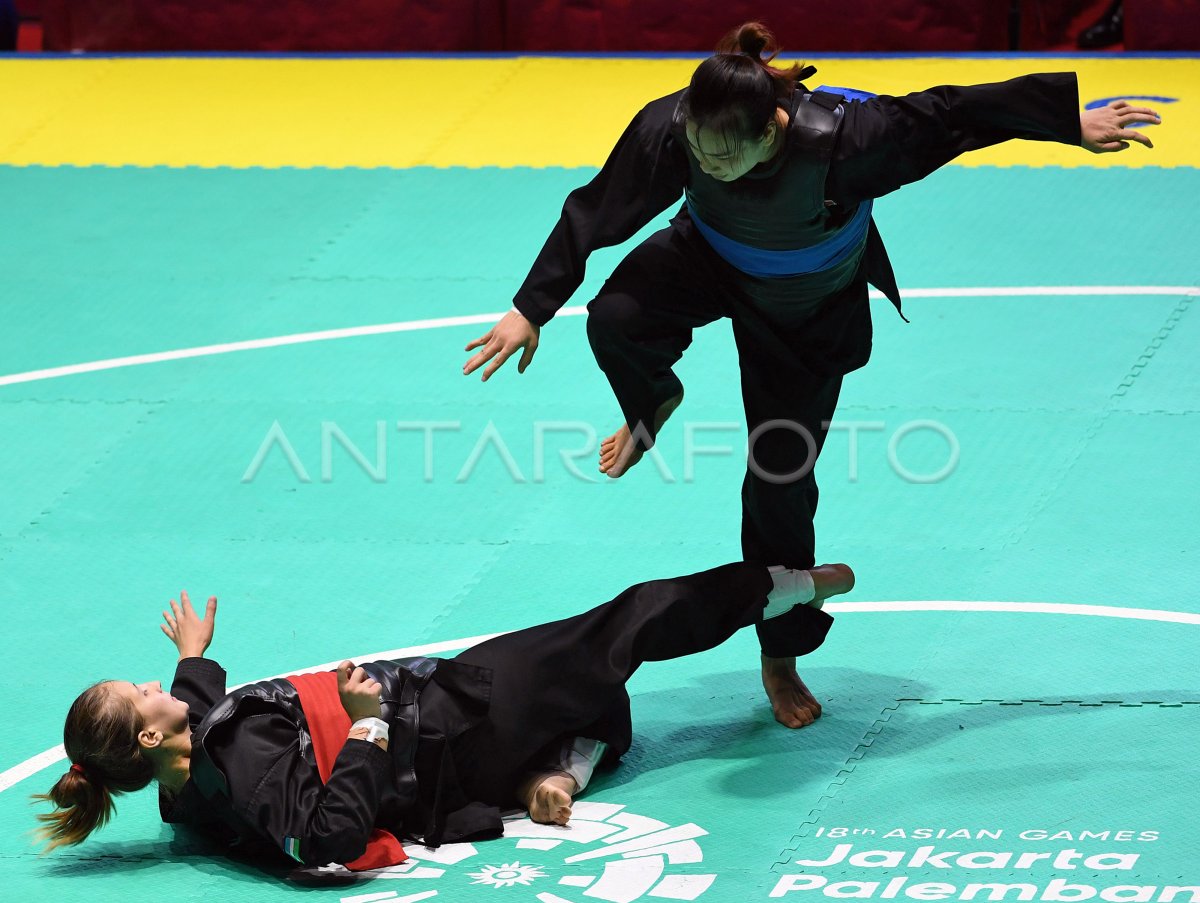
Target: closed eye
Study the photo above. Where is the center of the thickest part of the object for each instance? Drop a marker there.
(700, 153)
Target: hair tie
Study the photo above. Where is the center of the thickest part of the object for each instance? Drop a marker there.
(78, 769)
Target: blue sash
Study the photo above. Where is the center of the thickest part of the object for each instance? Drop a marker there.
(774, 264)
(766, 264)
(848, 93)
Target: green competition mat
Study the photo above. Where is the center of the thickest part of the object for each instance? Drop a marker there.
(247, 382)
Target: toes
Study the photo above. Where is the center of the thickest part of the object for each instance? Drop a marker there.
(804, 717)
(617, 468)
(809, 702)
(794, 706)
(793, 718)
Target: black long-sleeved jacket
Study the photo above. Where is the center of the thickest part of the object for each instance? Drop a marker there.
(883, 143)
(254, 777)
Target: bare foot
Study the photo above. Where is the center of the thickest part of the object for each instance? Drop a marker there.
(793, 704)
(830, 580)
(619, 452)
(547, 796)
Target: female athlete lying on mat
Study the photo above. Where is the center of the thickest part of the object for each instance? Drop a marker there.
(331, 767)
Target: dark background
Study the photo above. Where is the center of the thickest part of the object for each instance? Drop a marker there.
(588, 25)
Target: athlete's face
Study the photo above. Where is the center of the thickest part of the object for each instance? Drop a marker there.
(159, 710)
(723, 159)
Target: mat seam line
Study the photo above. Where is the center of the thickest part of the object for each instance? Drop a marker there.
(844, 771)
(497, 85)
(56, 502)
(518, 537)
(1110, 408)
(872, 733)
(334, 238)
(102, 74)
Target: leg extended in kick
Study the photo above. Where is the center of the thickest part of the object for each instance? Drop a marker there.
(567, 678)
(549, 786)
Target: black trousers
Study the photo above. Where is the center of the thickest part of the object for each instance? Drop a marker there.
(567, 678)
(793, 347)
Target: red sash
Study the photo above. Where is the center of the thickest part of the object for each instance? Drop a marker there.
(329, 724)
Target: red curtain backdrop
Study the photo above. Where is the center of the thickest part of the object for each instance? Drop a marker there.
(281, 25)
(595, 25)
(813, 25)
(1162, 24)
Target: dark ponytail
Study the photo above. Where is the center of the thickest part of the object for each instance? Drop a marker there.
(101, 739)
(735, 91)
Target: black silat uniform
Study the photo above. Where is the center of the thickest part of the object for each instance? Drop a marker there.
(797, 334)
(464, 731)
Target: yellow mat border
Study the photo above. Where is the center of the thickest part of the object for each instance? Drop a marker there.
(467, 111)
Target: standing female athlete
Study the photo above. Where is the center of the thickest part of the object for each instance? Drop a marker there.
(776, 234)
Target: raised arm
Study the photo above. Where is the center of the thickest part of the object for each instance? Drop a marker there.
(198, 681)
(887, 142)
(645, 173)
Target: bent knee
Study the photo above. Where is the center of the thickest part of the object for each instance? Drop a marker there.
(613, 314)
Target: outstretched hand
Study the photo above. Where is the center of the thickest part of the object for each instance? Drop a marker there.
(359, 693)
(511, 334)
(190, 633)
(1106, 129)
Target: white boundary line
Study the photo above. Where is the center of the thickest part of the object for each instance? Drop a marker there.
(578, 310)
(1030, 608)
(32, 766)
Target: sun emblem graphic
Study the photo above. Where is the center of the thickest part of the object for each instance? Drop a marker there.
(507, 875)
(606, 854)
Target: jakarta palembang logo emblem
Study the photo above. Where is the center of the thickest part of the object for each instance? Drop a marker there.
(606, 853)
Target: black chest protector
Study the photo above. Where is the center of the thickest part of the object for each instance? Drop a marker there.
(402, 681)
(780, 205)
(772, 224)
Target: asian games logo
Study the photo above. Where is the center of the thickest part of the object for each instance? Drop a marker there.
(605, 853)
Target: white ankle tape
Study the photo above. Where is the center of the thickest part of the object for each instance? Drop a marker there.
(792, 588)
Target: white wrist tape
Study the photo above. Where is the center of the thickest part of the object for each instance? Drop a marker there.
(376, 728)
(792, 588)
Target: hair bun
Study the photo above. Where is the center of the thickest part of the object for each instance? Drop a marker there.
(753, 39)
